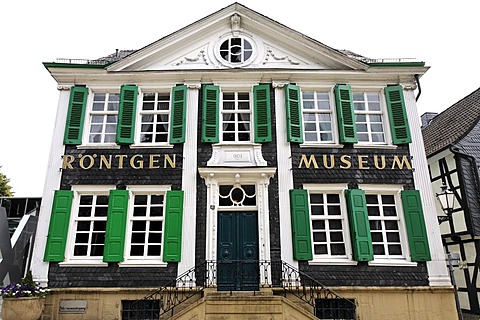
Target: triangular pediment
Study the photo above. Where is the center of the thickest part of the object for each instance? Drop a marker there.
(215, 41)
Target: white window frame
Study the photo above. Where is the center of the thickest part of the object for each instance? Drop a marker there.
(395, 190)
(383, 112)
(144, 261)
(71, 260)
(138, 123)
(238, 34)
(90, 113)
(236, 90)
(328, 259)
(331, 111)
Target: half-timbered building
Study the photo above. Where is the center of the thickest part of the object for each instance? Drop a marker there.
(242, 165)
(452, 145)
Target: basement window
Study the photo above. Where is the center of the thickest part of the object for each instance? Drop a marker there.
(140, 309)
(335, 309)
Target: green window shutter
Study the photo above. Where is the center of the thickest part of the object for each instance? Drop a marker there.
(415, 223)
(172, 247)
(347, 128)
(211, 101)
(301, 234)
(75, 116)
(116, 224)
(359, 225)
(294, 113)
(126, 114)
(179, 107)
(263, 118)
(397, 115)
(58, 229)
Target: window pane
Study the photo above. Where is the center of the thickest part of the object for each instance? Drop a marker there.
(371, 199)
(391, 225)
(140, 199)
(153, 250)
(139, 226)
(378, 250)
(319, 236)
(318, 224)
(320, 249)
(316, 198)
(138, 237)
(83, 226)
(139, 211)
(101, 211)
(156, 211)
(338, 249)
(336, 236)
(394, 249)
(334, 210)
(335, 224)
(156, 226)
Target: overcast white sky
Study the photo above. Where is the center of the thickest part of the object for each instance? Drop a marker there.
(444, 34)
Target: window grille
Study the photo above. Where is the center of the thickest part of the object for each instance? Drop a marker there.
(338, 309)
(140, 310)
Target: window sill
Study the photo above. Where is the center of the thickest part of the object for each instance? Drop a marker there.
(392, 262)
(321, 145)
(375, 146)
(151, 146)
(83, 263)
(143, 264)
(99, 146)
(236, 144)
(324, 262)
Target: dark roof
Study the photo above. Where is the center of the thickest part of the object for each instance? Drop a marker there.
(452, 124)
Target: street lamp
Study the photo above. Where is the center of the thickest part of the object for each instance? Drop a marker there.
(446, 198)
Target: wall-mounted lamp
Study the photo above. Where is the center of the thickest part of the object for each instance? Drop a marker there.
(446, 198)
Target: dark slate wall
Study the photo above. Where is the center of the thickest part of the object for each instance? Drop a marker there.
(113, 276)
(364, 275)
(127, 175)
(361, 274)
(353, 175)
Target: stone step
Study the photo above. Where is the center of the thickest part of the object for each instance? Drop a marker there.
(242, 306)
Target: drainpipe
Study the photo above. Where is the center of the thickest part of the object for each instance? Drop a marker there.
(417, 80)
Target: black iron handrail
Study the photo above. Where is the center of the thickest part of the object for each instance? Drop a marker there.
(185, 286)
(307, 288)
(271, 274)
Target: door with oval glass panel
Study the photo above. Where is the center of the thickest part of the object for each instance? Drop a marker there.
(237, 239)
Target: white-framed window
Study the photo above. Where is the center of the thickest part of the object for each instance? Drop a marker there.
(88, 222)
(236, 116)
(154, 117)
(329, 224)
(318, 117)
(387, 225)
(102, 118)
(145, 225)
(369, 117)
(236, 50)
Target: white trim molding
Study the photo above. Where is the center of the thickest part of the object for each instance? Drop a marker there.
(260, 177)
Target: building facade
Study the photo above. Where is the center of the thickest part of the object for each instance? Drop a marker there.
(239, 143)
(452, 145)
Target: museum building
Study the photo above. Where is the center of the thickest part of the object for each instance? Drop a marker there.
(238, 158)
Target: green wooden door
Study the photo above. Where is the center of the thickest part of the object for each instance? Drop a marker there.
(237, 252)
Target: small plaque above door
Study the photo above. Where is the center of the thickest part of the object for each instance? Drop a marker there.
(237, 156)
